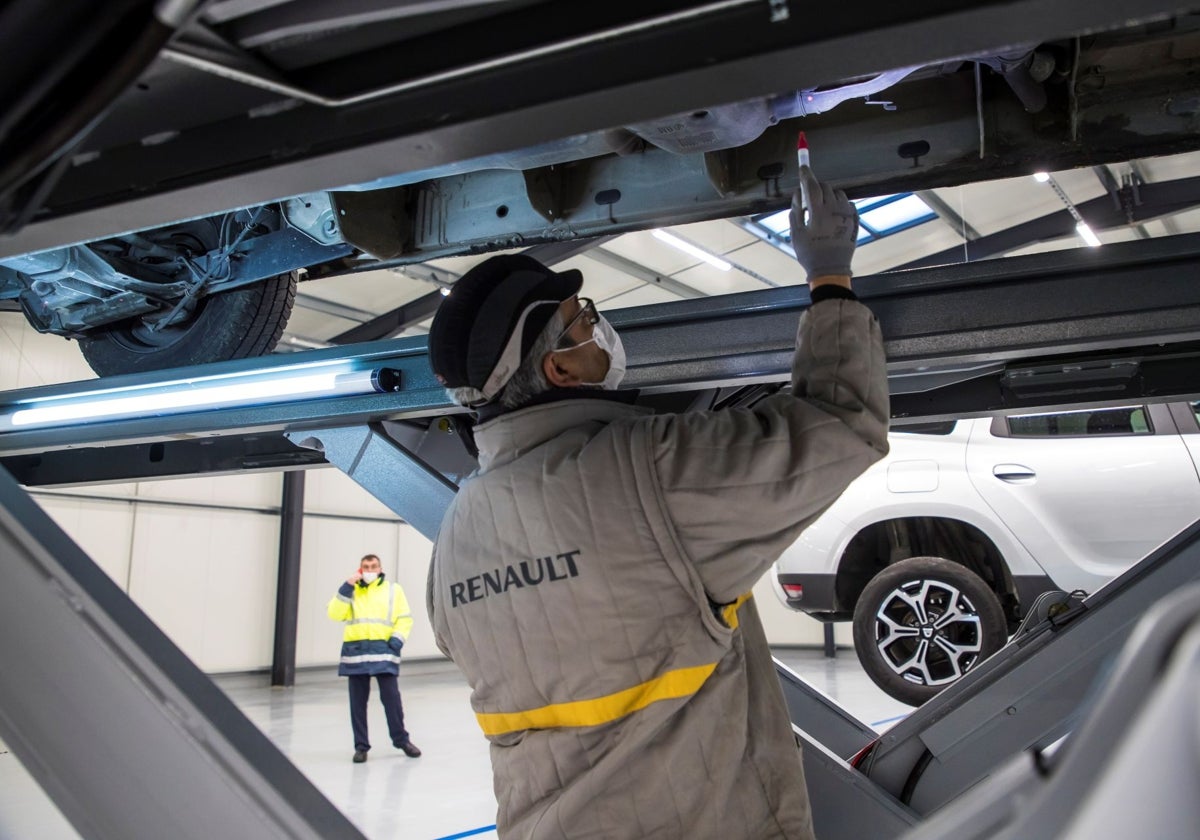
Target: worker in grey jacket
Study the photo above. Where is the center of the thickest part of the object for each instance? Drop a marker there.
(592, 578)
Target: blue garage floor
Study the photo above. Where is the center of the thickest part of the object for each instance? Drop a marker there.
(447, 793)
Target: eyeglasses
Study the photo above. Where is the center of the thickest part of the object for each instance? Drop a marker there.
(587, 309)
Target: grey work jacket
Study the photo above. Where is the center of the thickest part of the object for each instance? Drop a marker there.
(591, 581)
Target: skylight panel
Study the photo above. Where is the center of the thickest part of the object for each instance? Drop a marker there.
(895, 215)
(879, 216)
(778, 223)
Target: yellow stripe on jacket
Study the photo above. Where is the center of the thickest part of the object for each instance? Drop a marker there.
(682, 682)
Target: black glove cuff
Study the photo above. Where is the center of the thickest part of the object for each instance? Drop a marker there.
(831, 291)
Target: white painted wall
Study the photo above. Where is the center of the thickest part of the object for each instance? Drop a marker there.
(206, 575)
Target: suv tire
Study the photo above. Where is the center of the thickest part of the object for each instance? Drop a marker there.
(922, 623)
(229, 325)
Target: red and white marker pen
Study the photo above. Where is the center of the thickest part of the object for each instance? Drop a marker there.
(802, 150)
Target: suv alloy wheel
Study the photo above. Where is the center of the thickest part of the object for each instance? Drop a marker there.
(922, 623)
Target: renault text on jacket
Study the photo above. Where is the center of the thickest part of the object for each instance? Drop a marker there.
(525, 573)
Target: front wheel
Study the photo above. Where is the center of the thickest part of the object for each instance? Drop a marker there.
(228, 325)
(922, 623)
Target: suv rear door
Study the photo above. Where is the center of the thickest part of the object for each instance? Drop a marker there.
(1187, 418)
(1089, 492)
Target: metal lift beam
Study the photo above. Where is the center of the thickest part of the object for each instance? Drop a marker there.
(1105, 325)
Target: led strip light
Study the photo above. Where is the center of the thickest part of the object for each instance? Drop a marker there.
(260, 387)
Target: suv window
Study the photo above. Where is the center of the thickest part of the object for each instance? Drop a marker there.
(936, 427)
(1127, 420)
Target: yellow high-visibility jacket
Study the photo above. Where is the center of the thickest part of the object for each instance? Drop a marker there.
(378, 622)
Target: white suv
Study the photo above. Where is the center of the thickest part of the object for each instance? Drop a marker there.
(936, 551)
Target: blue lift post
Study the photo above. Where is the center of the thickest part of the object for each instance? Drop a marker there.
(1019, 307)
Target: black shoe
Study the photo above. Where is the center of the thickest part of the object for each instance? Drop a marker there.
(361, 755)
(410, 749)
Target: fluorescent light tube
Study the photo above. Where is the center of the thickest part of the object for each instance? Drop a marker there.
(238, 390)
(689, 248)
(1087, 234)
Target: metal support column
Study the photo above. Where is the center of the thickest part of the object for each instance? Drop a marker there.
(287, 587)
(121, 729)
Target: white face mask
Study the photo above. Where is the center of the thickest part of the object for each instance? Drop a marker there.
(369, 577)
(606, 338)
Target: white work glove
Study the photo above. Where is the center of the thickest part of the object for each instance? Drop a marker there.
(824, 241)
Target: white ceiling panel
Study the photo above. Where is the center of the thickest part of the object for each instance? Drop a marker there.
(600, 282)
(1185, 222)
(769, 261)
(461, 265)
(1169, 168)
(902, 247)
(992, 206)
(376, 291)
(309, 323)
(719, 237)
(712, 281)
(644, 249)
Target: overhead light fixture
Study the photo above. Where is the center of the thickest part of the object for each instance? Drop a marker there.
(1081, 227)
(1041, 177)
(246, 389)
(695, 251)
(1087, 234)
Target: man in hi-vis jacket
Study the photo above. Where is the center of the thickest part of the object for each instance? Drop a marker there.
(378, 620)
(592, 578)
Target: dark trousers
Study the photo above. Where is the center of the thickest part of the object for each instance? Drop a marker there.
(389, 693)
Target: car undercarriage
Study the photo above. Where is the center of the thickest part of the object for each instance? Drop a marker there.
(262, 142)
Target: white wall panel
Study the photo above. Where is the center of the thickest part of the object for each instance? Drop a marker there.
(29, 358)
(104, 530)
(253, 490)
(413, 553)
(207, 578)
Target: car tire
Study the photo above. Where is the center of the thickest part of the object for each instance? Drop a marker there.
(229, 325)
(922, 623)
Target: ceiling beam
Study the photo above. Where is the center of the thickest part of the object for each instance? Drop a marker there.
(392, 323)
(947, 214)
(1161, 199)
(641, 272)
(1109, 182)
